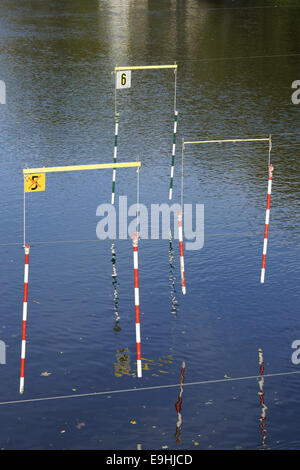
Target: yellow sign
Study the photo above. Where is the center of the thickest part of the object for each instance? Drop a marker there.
(34, 183)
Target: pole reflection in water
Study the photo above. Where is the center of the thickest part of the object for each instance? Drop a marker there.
(172, 277)
(115, 283)
(261, 394)
(178, 405)
(122, 366)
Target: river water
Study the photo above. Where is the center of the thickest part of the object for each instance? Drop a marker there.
(236, 63)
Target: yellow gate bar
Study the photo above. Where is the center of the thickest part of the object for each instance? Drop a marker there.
(226, 140)
(144, 67)
(99, 166)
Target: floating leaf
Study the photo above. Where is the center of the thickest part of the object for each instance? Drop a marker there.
(80, 425)
(45, 374)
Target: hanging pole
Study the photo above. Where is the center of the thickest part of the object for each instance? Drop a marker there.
(263, 267)
(180, 232)
(137, 305)
(115, 157)
(25, 299)
(174, 135)
(173, 154)
(183, 288)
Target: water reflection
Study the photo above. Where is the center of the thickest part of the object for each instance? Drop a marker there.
(122, 366)
(172, 277)
(157, 367)
(178, 405)
(115, 284)
(261, 394)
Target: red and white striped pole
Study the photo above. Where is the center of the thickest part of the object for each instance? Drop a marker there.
(137, 304)
(183, 288)
(23, 348)
(263, 267)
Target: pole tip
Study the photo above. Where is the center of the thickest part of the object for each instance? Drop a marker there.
(135, 239)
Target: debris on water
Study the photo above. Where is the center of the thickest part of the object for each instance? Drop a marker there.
(164, 447)
(35, 302)
(80, 425)
(62, 431)
(227, 376)
(74, 389)
(196, 443)
(46, 374)
(133, 422)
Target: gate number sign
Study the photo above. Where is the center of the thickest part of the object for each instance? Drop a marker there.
(34, 183)
(123, 79)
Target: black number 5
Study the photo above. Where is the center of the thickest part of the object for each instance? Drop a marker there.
(33, 188)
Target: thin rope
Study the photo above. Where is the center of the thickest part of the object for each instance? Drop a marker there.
(155, 387)
(175, 89)
(182, 174)
(24, 216)
(212, 59)
(115, 92)
(270, 148)
(229, 234)
(138, 200)
(247, 8)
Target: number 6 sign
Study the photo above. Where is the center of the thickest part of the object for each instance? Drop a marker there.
(123, 79)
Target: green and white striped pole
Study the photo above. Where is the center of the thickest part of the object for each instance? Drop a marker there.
(115, 157)
(173, 154)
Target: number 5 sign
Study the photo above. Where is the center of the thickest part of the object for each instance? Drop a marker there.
(123, 79)
(34, 183)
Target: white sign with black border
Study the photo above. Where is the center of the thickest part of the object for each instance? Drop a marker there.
(123, 79)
